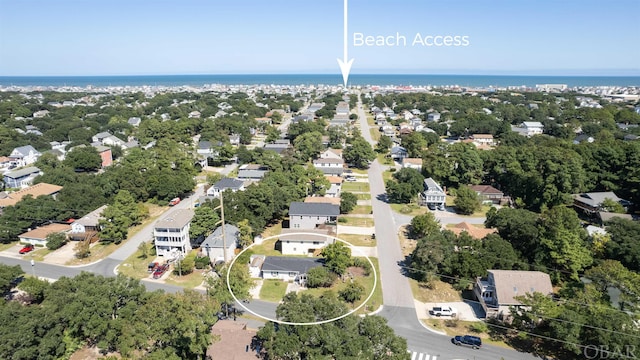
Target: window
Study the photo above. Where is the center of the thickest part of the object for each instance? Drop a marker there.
(316, 243)
(273, 273)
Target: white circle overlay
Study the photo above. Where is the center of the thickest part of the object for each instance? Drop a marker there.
(351, 246)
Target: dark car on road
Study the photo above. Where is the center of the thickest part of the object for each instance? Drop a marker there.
(468, 340)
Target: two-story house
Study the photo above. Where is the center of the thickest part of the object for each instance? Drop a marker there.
(591, 203)
(225, 184)
(433, 196)
(253, 172)
(412, 163)
(488, 193)
(171, 233)
(497, 292)
(24, 155)
(309, 215)
(21, 178)
(329, 166)
(221, 245)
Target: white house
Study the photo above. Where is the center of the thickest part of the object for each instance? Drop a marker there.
(329, 166)
(21, 178)
(483, 139)
(24, 155)
(434, 116)
(38, 236)
(289, 268)
(89, 222)
(331, 154)
(412, 163)
(225, 184)
(304, 241)
(216, 246)
(529, 128)
(171, 233)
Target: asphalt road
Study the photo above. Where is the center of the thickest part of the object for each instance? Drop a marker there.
(399, 309)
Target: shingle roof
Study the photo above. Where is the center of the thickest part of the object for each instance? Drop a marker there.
(22, 172)
(432, 187)
(35, 190)
(322, 199)
(231, 235)
(316, 209)
(25, 150)
(596, 198)
(485, 189)
(291, 264)
(178, 219)
(42, 232)
(511, 283)
(92, 218)
(307, 235)
(474, 231)
(228, 183)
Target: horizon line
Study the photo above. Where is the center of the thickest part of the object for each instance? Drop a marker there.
(327, 74)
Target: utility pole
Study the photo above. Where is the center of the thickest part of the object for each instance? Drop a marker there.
(224, 235)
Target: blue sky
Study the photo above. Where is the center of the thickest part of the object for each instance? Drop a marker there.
(140, 37)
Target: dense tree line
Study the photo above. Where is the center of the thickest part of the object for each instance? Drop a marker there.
(350, 337)
(114, 314)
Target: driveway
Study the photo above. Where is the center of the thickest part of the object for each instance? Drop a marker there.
(466, 310)
(62, 255)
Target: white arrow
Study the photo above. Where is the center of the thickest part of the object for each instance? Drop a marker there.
(345, 63)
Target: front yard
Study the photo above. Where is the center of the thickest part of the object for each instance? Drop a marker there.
(355, 221)
(411, 209)
(439, 291)
(362, 210)
(273, 290)
(357, 240)
(355, 186)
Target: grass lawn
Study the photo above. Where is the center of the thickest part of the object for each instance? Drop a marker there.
(4, 247)
(357, 240)
(480, 213)
(371, 121)
(39, 254)
(188, 281)
(387, 175)
(136, 266)
(375, 133)
(457, 327)
(440, 292)
(367, 282)
(266, 248)
(412, 209)
(272, 230)
(363, 196)
(355, 186)
(359, 171)
(384, 160)
(362, 210)
(273, 290)
(352, 221)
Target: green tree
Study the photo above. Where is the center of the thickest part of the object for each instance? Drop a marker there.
(308, 146)
(415, 144)
(246, 233)
(422, 225)
(383, 145)
(56, 240)
(348, 202)
(466, 201)
(320, 277)
(359, 153)
(84, 158)
(7, 276)
(203, 223)
(399, 193)
(35, 288)
(118, 217)
(337, 257)
(143, 248)
(352, 292)
(624, 245)
(185, 266)
(612, 206)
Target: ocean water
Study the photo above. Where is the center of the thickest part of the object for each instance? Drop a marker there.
(326, 79)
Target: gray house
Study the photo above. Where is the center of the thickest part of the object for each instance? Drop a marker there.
(309, 215)
(289, 268)
(215, 247)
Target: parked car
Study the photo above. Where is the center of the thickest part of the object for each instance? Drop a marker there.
(152, 267)
(160, 270)
(468, 340)
(443, 311)
(174, 201)
(27, 248)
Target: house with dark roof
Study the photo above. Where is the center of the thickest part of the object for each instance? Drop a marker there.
(433, 196)
(225, 184)
(279, 146)
(289, 268)
(591, 203)
(221, 245)
(252, 172)
(488, 193)
(24, 155)
(21, 178)
(309, 215)
(398, 153)
(498, 291)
